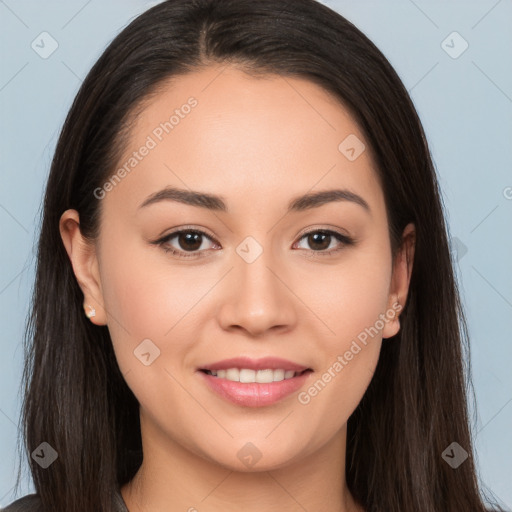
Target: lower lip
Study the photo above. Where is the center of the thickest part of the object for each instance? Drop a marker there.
(254, 394)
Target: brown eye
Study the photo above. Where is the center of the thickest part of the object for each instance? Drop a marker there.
(189, 240)
(319, 241)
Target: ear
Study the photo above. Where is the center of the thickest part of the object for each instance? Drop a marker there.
(82, 254)
(402, 269)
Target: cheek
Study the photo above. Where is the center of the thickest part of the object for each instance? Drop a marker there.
(143, 289)
(144, 300)
(351, 300)
(350, 355)
(349, 296)
(337, 390)
(135, 297)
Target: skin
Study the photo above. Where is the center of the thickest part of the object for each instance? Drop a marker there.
(258, 143)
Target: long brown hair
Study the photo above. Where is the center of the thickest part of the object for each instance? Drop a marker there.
(76, 398)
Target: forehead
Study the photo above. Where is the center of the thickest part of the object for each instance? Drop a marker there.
(223, 131)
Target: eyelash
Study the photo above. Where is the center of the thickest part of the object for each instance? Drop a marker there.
(343, 239)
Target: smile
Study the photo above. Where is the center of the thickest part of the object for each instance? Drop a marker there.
(241, 387)
(247, 375)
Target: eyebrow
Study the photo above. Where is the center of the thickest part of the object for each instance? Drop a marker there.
(218, 203)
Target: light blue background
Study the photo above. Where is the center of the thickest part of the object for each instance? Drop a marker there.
(466, 108)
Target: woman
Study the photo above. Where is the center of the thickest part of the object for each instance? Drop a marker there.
(244, 294)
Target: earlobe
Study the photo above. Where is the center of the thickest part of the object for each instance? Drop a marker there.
(402, 271)
(90, 312)
(82, 255)
(392, 314)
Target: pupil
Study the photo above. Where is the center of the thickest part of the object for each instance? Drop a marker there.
(192, 241)
(315, 236)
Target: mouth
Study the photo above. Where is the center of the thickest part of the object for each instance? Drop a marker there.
(250, 376)
(249, 387)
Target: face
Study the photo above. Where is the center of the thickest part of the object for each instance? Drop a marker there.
(186, 283)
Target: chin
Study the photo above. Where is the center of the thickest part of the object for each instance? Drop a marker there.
(248, 458)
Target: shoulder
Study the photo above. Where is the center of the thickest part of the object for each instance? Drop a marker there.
(29, 503)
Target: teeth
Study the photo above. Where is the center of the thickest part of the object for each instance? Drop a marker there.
(246, 375)
(233, 374)
(266, 376)
(279, 375)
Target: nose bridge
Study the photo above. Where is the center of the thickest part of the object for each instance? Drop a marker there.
(258, 300)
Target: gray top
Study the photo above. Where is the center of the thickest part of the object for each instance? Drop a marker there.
(32, 503)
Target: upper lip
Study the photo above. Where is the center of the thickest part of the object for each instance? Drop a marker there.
(264, 363)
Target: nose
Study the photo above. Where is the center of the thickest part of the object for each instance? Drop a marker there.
(258, 298)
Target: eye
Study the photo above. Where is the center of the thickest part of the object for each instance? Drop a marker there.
(189, 242)
(185, 241)
(321, 239)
